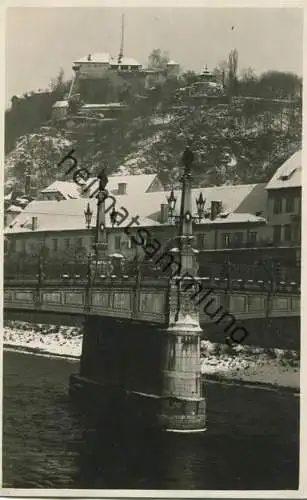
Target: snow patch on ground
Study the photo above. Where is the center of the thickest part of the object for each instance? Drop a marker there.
(243, 363)
(52, 339)
(251, 364)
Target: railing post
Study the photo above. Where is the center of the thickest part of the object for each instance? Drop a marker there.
(137, 288)
(89, 284)
(40, 279)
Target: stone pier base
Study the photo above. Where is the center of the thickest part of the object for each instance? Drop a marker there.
(183, 415)
(144, 410)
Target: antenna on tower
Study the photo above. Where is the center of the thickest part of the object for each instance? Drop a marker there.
(121, 50)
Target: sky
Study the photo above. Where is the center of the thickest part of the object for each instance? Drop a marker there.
(41, 40)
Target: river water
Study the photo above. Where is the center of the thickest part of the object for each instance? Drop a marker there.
(251, 442)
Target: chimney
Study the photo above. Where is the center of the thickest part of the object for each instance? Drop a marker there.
(27, 184)
(34, 223)
(216, 208)
(122, 188)
(164, 212)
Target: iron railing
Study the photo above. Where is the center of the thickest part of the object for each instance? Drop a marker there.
(78, 269)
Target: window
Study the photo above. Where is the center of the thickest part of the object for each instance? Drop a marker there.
(238, 238)
(287, 233)
(296, 232)
(276, 234)
(252, 237)
(55, 244)
(226, 240)
(79, 242)
(117, 242)
(201, 241)
(13, 246)
(290, 204)
(23, 246)
(67, 243)
(277, 205)
(133, 243)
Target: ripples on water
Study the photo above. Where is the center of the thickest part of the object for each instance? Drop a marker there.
(251, 442)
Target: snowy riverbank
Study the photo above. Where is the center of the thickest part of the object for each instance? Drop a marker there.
(50, 339)
(250, 364)
(275, 367)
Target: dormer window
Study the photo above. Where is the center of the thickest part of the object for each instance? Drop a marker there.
(122, 188)
(286, 176)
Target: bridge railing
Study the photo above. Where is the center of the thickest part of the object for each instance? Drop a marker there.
(226, 276)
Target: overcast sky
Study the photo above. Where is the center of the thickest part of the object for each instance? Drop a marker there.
(39, 41)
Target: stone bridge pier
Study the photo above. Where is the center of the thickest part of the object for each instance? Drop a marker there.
(149, 372)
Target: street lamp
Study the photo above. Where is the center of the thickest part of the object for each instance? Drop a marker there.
(88, 216)
(113, 217)
(101, 241)
(185, 252)
(200, 203)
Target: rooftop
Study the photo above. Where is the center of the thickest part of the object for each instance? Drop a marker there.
(172, 63)
(125, 61)
(289, 174)
(240, 205)
(135, 184)
(99, 57)
(68, 189)
(106, 58)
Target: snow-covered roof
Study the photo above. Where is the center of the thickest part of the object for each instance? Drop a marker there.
(60, 104)
(14, 208)
(105, 58)
(135, 184)
(241, 202)
(67, 215)
(240, 205)
(67, 189)
(125, 61)
(98, 57)
(172, 63)
(8, 196)
(289, 174)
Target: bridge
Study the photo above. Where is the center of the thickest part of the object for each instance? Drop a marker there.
(141, 331)
(148, 299)
(128, 342)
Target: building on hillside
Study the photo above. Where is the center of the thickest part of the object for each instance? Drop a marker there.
(90, 80)
(60, 109)
(173, 68)
(206, 86)
(96, 65)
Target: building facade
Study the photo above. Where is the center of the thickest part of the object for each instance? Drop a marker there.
(235, 218)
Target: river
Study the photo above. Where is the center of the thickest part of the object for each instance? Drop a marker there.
(251, 442)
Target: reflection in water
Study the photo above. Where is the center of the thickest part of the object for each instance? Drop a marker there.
(251, 442)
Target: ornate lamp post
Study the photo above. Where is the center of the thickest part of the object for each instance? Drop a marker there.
(200, 203)
(88, 216)
(184, 408)
(100, 245)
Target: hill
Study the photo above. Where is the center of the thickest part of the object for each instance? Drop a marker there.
(240, 140)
